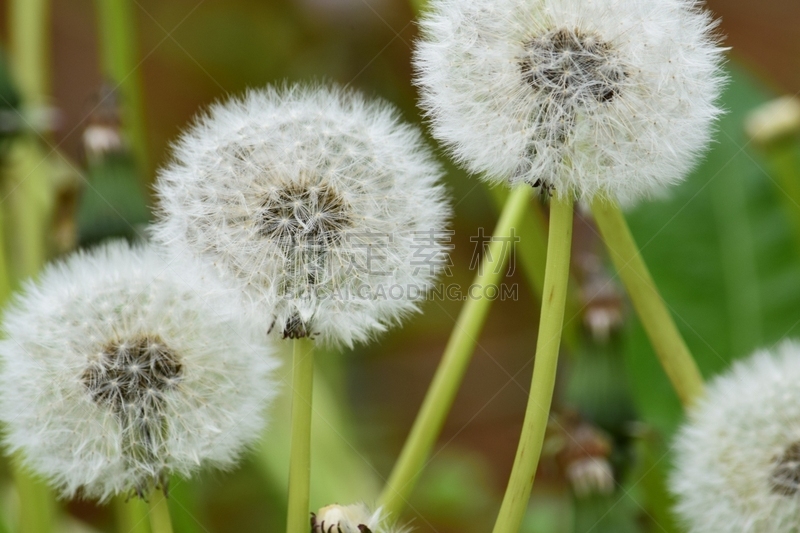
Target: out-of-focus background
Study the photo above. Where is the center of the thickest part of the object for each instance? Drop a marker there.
(724, 248)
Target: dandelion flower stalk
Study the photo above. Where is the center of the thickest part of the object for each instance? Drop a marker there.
(131, 514)
(160, 521)
(455, 360)
(667, 341)
(556, 280)
(300, 458)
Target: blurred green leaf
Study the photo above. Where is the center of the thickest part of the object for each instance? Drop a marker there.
(721, 251)
(113, 203)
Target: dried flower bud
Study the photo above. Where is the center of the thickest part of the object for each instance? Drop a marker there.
(356, 518)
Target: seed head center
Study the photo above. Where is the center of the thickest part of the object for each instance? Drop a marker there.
(133, 373)
(571, 66)
(298, 214)
(785, 476)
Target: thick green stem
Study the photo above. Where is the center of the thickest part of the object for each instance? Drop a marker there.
(556, 281)
(656, 319)
(298, 517)
(131, 515)
(531, 253)
(117, 29)
(160, 521)
(35, 503)
(454, 362)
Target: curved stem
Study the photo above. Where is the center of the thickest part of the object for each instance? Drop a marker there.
(656, 319)
(298, 517)
(160, 521)
(556, 280)
(531, 252)
(457, 355)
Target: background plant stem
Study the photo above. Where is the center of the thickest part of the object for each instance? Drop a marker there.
(29, 199)
(29, 205)
(556, 281)
(160, 521)
(298, 516)
(656, 319)
(455, 360)
(117, 29)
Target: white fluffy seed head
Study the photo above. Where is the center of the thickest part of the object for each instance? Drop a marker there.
(117, 371)
(323, 209)
(737, 459)
(355, 518)
(586, 97)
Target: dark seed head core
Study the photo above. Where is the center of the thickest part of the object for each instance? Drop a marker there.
(296, 328)
(572, 66)
(305, 214)
(133, 374)
(785, 476)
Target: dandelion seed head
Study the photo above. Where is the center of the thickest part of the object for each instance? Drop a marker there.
(587, 97)
(307, 200)
(355, 518)
(118, 370)
(737, 458)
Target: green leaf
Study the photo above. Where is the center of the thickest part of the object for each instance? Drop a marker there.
(721, 251)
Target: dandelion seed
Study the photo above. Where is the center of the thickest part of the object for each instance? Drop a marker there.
(117, 372)
(737, 458)
(612, 97)
(314, 203)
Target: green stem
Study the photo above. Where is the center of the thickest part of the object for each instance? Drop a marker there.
(457, 355)
(28, 205)
(300, 459)
(556, 281)
(29, 201)
(531, 253)
(5, 275)
(656, 319)
(131, 515)
(160, 521)
(35, 504)
(116, 25)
